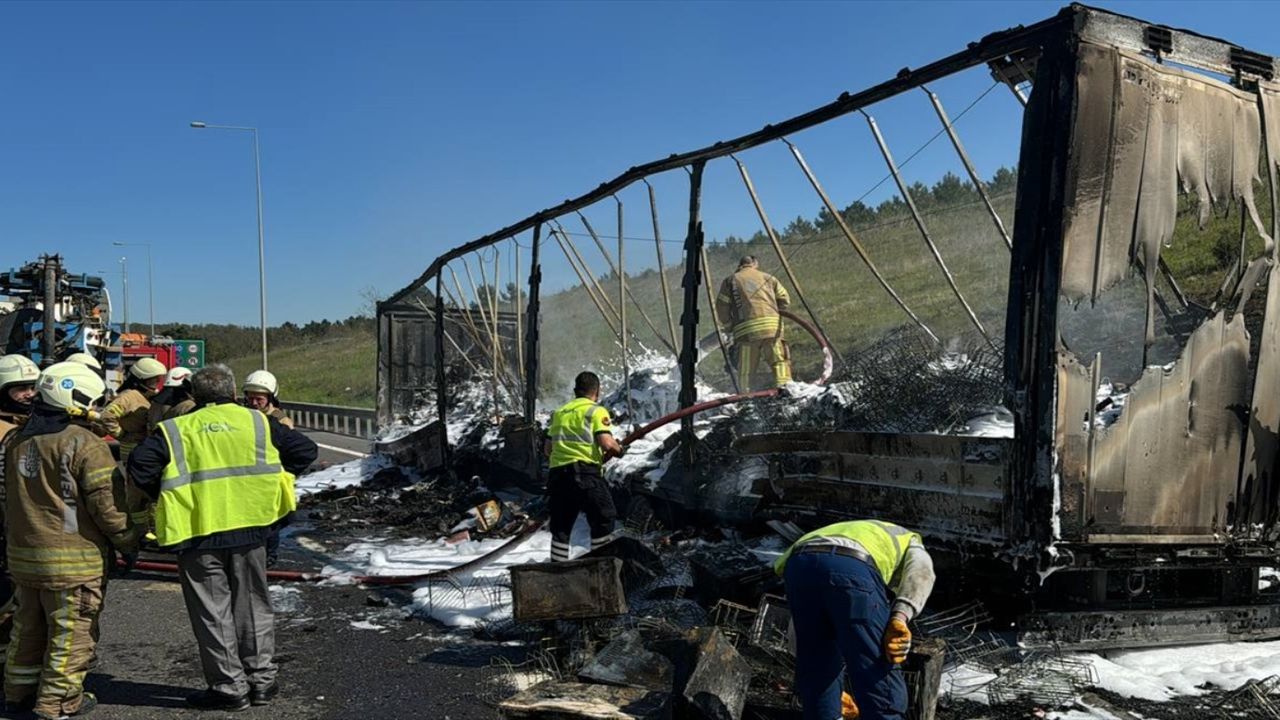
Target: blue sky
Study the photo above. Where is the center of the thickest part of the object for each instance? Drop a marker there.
(391, 131)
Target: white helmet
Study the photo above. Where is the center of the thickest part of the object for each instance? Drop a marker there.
(177, 376)
(147, 369)
(84, 358)
(70, 385)
(261, 381)
(17, 370)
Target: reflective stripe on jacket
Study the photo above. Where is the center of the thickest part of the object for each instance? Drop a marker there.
(573, 432)
(749, 301)
(224, 474)
(886, 543)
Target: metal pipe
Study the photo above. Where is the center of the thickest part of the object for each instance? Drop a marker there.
(464, 305)
(622, 317)
(777, 248)
(515, 283)
(968, 165)
(924, 231)
(662, 272)
(442, 395)
(49, 334)
(857, 245)
(643, 315)
(715, 320)
(585, 284)
(604, 296)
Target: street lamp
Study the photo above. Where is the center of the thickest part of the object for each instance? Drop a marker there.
(262, 257)
(124, 271)
(151, 296)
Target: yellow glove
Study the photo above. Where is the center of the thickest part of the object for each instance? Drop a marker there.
(897, 639)
(848, 708)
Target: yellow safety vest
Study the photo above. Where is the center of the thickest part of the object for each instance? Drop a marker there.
(573, 432)
(223, 474)
(886, 543)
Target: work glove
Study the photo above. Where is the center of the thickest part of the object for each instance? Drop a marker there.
(848, 708)
(897, 639)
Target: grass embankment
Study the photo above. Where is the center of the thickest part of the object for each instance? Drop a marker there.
(333, 371)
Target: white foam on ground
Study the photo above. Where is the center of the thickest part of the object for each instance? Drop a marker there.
(340, 476)
(478, 596)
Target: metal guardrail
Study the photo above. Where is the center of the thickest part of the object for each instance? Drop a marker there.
(338, 419)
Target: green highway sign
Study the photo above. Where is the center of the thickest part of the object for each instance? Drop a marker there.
(190, 353)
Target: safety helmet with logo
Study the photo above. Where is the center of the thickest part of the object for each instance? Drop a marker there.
(261, 381)
(147, 369)
(177, 376)
(70, 386)
(85, 358)
(17, 370)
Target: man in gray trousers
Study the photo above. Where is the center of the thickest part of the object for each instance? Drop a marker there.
(222, 478)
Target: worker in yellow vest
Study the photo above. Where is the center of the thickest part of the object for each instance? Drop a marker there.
(579, 441)
(748, 302)
(222, 478)
(853, 587)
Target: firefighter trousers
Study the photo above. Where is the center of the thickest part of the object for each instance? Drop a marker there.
(762, 364)
(579, 488)
(54, 635)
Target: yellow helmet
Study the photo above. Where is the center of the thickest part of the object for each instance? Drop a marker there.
(85, 358)
(147, 369)
(17, 370)
(70, 385)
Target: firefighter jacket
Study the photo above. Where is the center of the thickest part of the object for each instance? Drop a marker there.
(221, 476)
(281, 417)
(749, 301)
(60, 517)
(573, 431)
(181, 408)
(125, 419)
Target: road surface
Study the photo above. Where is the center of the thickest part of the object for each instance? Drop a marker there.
(337, 449)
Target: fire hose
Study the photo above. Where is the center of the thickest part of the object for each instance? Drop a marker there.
(532, 525)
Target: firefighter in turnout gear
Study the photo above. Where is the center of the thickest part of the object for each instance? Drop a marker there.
(125, 418)
(852, 588)
(261, 393)
(18, 377)
(222, 477)
(748, 302)
(173, 400)
(579, 441)
(61, 522)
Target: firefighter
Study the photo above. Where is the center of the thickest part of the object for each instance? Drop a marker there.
(749, 301)
(125, 418)
(261, 393)
(61, 522)
(18, 377)
(86, 359)
(173, 400)
(579, 441)
(853, 587)
(222, 477)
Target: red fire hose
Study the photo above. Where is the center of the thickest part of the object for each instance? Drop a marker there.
(828, 366)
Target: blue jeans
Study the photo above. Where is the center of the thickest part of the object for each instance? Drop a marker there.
(840, 608)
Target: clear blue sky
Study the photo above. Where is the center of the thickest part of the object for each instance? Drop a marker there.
(392, 131)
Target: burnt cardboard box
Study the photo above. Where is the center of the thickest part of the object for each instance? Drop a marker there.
(577, 589)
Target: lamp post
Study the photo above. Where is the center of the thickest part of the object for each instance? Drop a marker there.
(151, 296)
(124, 272)
(262, 257)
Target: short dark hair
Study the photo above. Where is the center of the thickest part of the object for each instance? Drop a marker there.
(213, 383)
(748, 261)
(586, 383)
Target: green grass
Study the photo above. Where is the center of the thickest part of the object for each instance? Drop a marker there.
(334, 371)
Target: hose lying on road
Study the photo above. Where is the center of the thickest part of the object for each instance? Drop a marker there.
(531, 526)
(828, 366)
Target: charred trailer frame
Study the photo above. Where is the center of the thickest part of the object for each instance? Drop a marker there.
(1150, 530)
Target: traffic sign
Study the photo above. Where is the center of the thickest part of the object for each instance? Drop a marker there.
(190, 353)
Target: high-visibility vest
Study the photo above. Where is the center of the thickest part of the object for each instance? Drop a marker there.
(573, 432)
(223, 474)
(886, 543)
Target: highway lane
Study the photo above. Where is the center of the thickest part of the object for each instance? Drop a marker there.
(336, 449)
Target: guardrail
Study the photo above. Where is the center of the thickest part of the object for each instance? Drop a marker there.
(338, 419)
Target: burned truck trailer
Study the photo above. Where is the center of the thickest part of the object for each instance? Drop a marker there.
(1135, 502)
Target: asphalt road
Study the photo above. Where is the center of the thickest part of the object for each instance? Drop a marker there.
(336, 449)
(407, 668)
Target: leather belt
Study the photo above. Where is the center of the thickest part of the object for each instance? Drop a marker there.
(846, 550)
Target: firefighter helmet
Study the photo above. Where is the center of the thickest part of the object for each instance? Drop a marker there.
(261, 381)
(147, 369)
(70, 385)
(17, 370)
(177, 376)
(84, 358)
